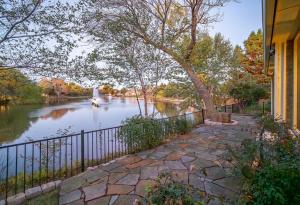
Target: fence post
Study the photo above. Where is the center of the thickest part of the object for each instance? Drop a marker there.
(203, 118)
(82, 150)
(225, 108)
(263, 110)
(231, 108)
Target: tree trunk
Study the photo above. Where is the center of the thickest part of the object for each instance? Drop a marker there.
(201, 90)
(137, 99)
(145, 100)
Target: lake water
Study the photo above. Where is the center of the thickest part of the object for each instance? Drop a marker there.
(22, 123)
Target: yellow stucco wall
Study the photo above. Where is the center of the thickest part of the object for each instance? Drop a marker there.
(280, 81)
(296, 111)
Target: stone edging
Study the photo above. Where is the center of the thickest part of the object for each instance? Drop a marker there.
(209, 122)
(31, 193)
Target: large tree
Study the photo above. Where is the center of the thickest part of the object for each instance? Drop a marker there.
(164, 24)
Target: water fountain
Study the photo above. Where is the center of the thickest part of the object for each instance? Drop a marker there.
(96, 99)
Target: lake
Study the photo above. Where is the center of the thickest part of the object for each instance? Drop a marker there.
(24, 122)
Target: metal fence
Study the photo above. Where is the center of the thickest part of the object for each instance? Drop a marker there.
(236, 108)
(28, 164)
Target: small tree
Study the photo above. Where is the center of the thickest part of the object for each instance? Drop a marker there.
(248, 94)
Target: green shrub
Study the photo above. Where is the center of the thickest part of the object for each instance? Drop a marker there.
(168, 191)
(182, 125)
(270, 166)
(141, 133)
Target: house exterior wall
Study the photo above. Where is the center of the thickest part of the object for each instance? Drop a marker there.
(289, 81)
(286, 82)
(296, 103)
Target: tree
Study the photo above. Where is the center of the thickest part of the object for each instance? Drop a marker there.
(163, 24)
(15, 86)
(123, 91)
(134, 65)
(37, 34)
(253, 59)
(248, 94)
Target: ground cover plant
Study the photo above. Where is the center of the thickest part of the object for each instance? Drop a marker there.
(269, 165)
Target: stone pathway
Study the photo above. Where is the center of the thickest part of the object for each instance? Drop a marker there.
(196, 159)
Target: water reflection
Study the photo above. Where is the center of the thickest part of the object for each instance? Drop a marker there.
(14, 121)
(56, 114)
(18, 123)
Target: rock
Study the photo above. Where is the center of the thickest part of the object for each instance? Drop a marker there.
(57, 183)
(197, 182)
(33, 192)
(16, 199)
(113, 199)
(72, 184)
(130, 179)
(48, 187)
(103, 201)
(214, 172)
(114, 177)
(70, 197)
(215, 190)
(140, 163)
(174, 165)
(111, 166)
(78, 202)
(142, 185)
(94, 175)
(94, 191)
(128, 200)
(232, 183)
(185, 159)
(149, 173)
(130, 160)
(119, 189)
(174, 156)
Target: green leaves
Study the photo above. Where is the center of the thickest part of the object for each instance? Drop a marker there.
(270, 167)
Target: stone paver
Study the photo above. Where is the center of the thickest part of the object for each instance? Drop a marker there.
(196, 159)
(130, 179)
(119, 189)
(94, 191)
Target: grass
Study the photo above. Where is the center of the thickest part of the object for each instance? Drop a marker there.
(50, 198)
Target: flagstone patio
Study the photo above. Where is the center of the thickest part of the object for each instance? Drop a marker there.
(196, 159)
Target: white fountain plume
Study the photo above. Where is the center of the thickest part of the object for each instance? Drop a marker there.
(96, 99)
(95, 93)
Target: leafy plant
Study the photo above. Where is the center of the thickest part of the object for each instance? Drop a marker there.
(141, 133)
(182, 125)
(270, 166)
(169, 192)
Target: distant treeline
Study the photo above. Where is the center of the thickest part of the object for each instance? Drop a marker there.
(16, 88)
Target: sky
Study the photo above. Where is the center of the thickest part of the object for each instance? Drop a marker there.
(239, 19)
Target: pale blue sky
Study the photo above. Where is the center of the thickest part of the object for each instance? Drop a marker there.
(239, 19)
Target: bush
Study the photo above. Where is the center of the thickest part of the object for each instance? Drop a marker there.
(141, 133)
(248, 94)
(168, 191)
(270, 166)
(182, 125)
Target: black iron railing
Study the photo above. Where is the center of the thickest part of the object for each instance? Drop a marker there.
(32, 163)
(236, 108)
